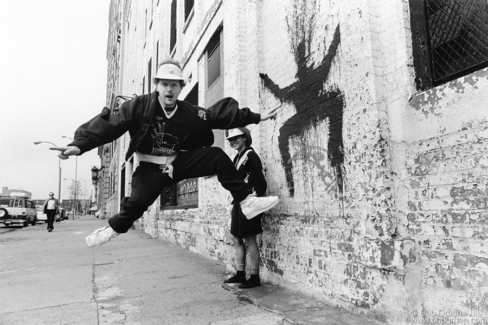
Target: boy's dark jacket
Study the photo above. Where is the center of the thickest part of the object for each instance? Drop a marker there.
(138, 114)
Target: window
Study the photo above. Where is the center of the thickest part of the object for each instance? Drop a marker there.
(188, 8)
(145, 26)
(172, 40)
(110, 183)
(213, 60)
(122, 183)
(157, 55)
(113, 182)
(192, 96)
(450, 39)
(214, 87)
(152, 14)
(4, 203)
(149, 68)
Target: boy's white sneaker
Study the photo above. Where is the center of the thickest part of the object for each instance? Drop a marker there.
(100, 236)
(253, 205)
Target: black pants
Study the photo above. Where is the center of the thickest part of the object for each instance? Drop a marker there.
(148, 182)
(51, 214)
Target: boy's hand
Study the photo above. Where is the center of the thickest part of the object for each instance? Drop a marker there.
(271, 114)
(67, 151)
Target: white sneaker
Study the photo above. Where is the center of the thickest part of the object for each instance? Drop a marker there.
(100, 236)
(252, 205)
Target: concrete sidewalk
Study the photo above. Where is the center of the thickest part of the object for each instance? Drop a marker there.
(53, 278)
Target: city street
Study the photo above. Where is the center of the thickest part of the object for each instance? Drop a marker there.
(54, 278)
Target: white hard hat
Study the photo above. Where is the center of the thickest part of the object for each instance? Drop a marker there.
(240, 131)
(234, 133)
(169, 71)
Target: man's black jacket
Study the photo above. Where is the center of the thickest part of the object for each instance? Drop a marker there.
(138, 115)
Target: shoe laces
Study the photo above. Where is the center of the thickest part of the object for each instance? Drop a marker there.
(258, 201)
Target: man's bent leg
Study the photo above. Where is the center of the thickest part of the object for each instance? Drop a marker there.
(214, 161)
(207, 162)
(147, 184)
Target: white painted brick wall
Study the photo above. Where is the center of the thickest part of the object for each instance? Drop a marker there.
(408, 232)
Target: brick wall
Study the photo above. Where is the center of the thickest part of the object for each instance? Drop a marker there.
(447, 161)
(383, 188)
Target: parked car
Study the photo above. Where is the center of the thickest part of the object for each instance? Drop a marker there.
(17, 211)
(62, 214)
(41, 216)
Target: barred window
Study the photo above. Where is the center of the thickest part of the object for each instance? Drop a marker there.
(450, 39)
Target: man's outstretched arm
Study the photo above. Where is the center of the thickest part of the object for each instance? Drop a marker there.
(65, 152)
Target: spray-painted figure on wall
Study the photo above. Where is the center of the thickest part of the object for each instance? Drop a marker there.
(313, 104)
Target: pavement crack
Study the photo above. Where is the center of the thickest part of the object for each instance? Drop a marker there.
(101, 264)
(242, 297)
(95, 289)
(44, 308)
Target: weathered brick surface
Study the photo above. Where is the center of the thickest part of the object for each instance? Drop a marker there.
(447, 201)
(383, 190)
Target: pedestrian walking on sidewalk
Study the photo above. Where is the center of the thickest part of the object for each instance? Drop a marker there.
(51, 209)
(242, 228)
(172, 140)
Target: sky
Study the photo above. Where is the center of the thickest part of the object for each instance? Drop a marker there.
(53, 73)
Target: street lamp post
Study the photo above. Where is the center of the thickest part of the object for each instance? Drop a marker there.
(59, 168)
(76, 171)
(84, 196)
(95, 179)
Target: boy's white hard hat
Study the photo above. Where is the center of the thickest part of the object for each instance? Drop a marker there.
(169, 71)
(241, 131)
(234, 133)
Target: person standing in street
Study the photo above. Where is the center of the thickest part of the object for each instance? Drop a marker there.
(244, 229)
(51, 208)
(172, 141)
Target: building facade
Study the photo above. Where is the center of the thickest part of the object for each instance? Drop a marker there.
(378, 153)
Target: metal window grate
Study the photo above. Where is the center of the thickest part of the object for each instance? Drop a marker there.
(458, 37)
